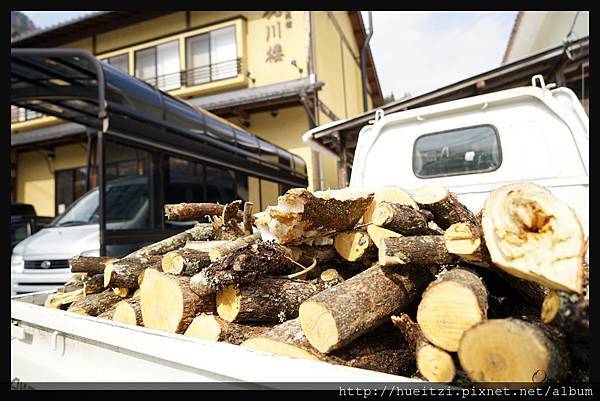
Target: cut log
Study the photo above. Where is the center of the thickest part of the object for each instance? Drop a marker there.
(168, 303)
(421, 250)
(355, 246)
(401, 218)
(93, 284)
(444, 205)
(203, 246)
(267, 300)
(568, 312)
(318, 241)
(89, 264)
(108, 314)
(213, 328)
(74, 283)
(228, 247)
(243, 266)
(248, 219)
(335, 317)
(122, 292)
(329, 278)
(136, 294)
(190, 211)
(435, 364)
(454, 302)
(60, 299)
(378, 233)
(185, 262)
(380, 352)
(124, 273)
(533, 235)
(300, 214)
(228, 227)
(388, 194)
(511, 350)
(95, 304)
(304, 254)
(200, 232)
(128, 311)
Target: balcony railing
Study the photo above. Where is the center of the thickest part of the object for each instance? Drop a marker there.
(197, 76)
(19, 114)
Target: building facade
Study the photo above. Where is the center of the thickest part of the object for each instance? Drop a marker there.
(275, 73)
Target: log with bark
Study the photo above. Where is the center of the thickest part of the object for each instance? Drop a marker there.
(388, 194)
(213, 328)
(569, 312)
(513, 351)
(248, 218)
(402, 219)
(89, 264)
(227, 227)
(93, 284)
(128, 311)
(355, 246)
(304, 254)
(203, 246)
(533, 235)
(185, 262)
(301, 214)
(190, 211)
(451, 304)
(200, 232)
(328, 278)
(419, 250)
(95, 304)
(217, 252)
(435, 364)
(377, 234)
(124, 273)
(444, 205)
(378, 351)
(243, 266)
(168, 303)
(335, 317)
(59, 300)
(267, 300)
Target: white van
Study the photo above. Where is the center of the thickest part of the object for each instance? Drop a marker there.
(476, 144)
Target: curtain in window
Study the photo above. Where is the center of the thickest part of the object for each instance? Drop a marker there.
(223, 53)
(198, 62)
(167, 66)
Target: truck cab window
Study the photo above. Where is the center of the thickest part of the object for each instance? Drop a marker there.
(455, 152)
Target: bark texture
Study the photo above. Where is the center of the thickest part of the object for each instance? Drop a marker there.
(89, 264)
(95, 304)
(401, 219)
(444, 205)
(213, 328)
(421, 250)
(190, 211)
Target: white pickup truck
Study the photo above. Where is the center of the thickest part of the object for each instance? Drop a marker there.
(470, 146)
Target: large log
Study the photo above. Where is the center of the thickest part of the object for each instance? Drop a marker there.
(93, 284)
(444, 205)
(435, 364)
(388, 194)
(168, 303)
(189, 211)
(421, 250)
(243, 266)
(569, 312)
(355, 245)
(95, 304)
(454, 302)
(128, 311)
(185, 262)
(402, 219)
(335, 317)
(377, 234)
(124, 273)
(213, 328)
(60, 299)
(200, 232)
(89, 264)
(383, 352)
(510, 351)
(267, 300)
(533, 235)
(300, 214)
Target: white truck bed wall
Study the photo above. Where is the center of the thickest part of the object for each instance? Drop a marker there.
(543, 139)
(54, 345)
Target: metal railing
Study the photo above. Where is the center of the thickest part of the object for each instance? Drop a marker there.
(198, 75)
(19, 114)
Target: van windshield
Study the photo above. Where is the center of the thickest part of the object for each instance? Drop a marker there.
(123, 202)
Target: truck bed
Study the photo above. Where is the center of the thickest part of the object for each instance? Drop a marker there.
(49, 345)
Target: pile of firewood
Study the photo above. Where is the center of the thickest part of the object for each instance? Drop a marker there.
(414, 285)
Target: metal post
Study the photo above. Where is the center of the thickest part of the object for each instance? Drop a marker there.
(363, 63)
(88, 166)
(101, 190)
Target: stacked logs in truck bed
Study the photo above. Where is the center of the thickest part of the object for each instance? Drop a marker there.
(409, 284)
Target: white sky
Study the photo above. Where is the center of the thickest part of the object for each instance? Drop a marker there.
(414, 52)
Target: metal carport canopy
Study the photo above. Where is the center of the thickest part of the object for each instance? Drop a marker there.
(73, 85)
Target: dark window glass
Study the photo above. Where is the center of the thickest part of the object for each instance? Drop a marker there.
(460, 151)
(64, 191)
(120, 62)
(220, 185)
(18, 232)
(185, 181)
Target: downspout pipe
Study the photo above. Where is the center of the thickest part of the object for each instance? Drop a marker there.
(363, 62)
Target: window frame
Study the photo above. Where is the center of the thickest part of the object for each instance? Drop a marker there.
(107, 61)
(496, 133)
(155, 47)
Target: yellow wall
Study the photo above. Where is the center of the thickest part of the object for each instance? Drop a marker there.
(35, 178)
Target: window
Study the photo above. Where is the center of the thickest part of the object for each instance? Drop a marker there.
(220, 185)
(159, 65)
(120, 62)
(69, 186)
(211, 56)
(18, 114)
(455, 152)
